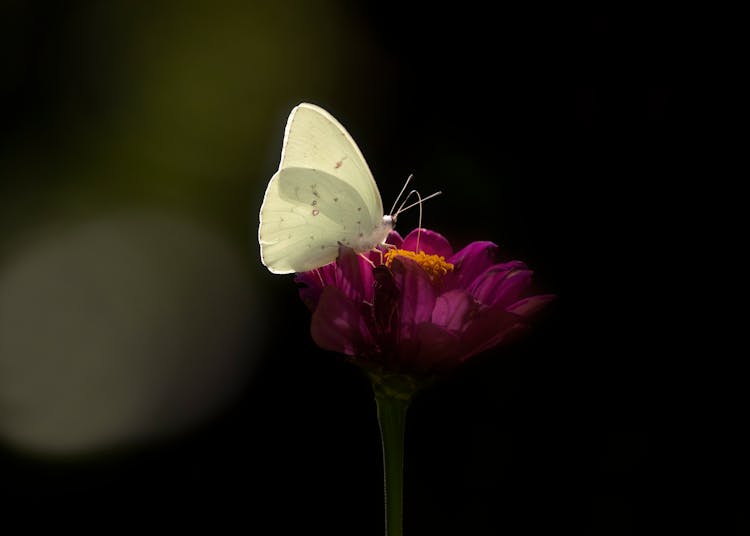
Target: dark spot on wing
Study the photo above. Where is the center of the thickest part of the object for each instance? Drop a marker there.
(359, 208)
(335, 199)
(314, 202)
(315, 193)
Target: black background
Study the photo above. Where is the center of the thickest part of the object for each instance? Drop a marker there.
(557, 134)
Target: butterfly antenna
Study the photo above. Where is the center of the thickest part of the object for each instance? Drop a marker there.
(419, 224)
(406, 199)
(408, 180)
(421, 200)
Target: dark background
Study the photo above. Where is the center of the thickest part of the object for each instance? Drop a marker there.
(558, 134)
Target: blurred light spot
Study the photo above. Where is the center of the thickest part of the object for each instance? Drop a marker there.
(120, 330)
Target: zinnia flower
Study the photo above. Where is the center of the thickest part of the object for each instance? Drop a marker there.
(409, 313)
(418, 313)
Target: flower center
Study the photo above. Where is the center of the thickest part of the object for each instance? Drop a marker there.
(434, 265)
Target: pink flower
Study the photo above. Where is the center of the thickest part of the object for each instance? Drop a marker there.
(418, 313)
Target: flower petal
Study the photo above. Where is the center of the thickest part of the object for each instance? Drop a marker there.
(453, 309)
(338, 325)
(394, 239)
(417, 296)
(491, 327)
(503, 283)
(469, 263)
(354, 275)
(528, 307)
(385, 306)
(430, 242)
(435, 349)
(311, 284)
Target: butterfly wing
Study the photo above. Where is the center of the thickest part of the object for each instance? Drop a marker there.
(323, 194)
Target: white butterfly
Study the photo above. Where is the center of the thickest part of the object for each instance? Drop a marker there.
(322, 195)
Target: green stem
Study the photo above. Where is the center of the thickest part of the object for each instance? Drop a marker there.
(392, 417)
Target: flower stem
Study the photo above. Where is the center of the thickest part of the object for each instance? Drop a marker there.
(392, 417)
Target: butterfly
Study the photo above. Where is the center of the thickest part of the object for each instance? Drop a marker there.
(322, 196)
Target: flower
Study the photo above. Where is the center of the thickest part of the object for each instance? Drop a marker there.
(408, 312)
(422, 309)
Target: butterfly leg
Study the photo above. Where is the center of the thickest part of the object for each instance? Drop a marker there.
(380, 251)
(389, 247)
(368, 260)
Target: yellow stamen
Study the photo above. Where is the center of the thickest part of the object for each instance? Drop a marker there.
(434, 265)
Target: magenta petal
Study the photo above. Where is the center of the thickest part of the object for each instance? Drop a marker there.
(453, 309)
(385, 306)
(470, 262)
(354, 275)
(394, 239)
(492, 327)
(528, 307)
(502, 284)
(337, 324)
(417, 296)
(436, 348)
(430, 242)
(310, 289)
(311, 284)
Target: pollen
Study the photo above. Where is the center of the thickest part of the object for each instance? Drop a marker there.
(435, 265)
